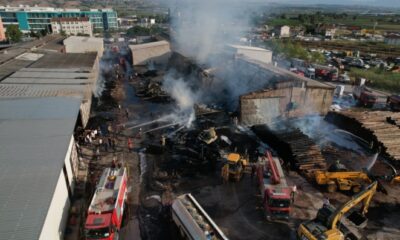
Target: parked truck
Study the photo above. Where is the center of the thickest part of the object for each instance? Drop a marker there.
(274, 189)
(192, 222)
(364, 96)
(106, 209)
(327, 73)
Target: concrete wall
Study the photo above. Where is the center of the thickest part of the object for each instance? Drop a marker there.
(57, 215)
(157, 52)
(264, 107)
(75, 44)
(259, 55)
(56, 219)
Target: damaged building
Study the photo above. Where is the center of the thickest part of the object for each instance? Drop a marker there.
(287, 94)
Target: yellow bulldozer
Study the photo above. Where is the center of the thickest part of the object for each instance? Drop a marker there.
(236, 165)
(330, 223)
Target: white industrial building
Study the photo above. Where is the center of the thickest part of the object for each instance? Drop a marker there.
(56, 74)
(72, 26)
(156, 52)
(37, 176)
(78, 44)
(255, 53)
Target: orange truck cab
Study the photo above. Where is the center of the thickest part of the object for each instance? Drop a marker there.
(106, 209)
(274, 189)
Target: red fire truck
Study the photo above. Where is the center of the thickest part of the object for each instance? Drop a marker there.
(274, 189)
(107, 206)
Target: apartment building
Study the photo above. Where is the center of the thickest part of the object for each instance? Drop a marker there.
(72, 26)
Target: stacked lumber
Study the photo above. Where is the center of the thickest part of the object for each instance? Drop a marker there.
(382, 128)
(294, 147)
(306, 154)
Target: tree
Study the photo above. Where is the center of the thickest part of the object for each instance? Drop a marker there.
(137, 31)
(13, 33)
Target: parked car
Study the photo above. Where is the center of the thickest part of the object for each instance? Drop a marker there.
(344, 78)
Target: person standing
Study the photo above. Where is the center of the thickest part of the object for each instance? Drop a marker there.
(130, 144)
(293, 193)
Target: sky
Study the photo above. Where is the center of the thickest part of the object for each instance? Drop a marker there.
(383, 3)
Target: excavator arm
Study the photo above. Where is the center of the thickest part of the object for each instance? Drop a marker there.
(364, 196)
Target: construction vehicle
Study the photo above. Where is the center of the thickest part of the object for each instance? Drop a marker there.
(332, 224)
(235, 167)
(342, 180)
(192, 221)
(275, 192)
(107, 206)
(208, 136)
(393, 102)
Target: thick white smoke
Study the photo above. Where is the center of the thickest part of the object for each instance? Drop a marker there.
(201, 29)
(184, 97)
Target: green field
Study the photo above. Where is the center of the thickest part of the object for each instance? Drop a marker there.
(363, 21)
(379, 79)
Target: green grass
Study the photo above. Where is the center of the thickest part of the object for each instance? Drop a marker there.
(379, 79)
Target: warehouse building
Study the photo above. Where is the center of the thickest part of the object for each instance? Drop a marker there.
(155, 52)
(57, 74)
(260, 54)
(77, 44)
(39, 18)
(285, 94)
(37, 166)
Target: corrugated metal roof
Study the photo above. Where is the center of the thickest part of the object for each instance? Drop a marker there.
(66, 60)
(44, 90)
(148, 45)
(34, 139)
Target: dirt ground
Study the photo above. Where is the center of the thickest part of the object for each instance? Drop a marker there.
(235, 207)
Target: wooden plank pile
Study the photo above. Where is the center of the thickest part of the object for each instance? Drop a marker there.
(381, 128)
(294, 147)
(306, 154)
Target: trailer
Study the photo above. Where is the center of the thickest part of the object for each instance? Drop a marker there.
(274, 190)
(192, 221)
(106, 209)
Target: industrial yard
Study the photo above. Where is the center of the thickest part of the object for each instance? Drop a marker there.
(172, 159)
(200, 130)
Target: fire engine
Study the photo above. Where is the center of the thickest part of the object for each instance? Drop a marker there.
(107, 206)
(275, 192)
(192, 221)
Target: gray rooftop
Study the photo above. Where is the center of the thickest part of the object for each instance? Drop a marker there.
(44, 90)
(34, 139)
(66, 60)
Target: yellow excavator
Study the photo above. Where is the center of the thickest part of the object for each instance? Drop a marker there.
(330, 223)
(235, 167)
(343, 180)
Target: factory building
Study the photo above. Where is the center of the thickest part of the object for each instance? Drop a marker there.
(39, 18)
(260, 54)
(78, 44)
(37, 166)
(155, 52)
(285, 95)
(57, 74)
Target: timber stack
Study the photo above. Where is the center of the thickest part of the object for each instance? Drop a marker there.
(295, 147)
(380, 128)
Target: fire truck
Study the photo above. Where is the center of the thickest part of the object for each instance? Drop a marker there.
(275, 192)
(107, 206)
(192, 221)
